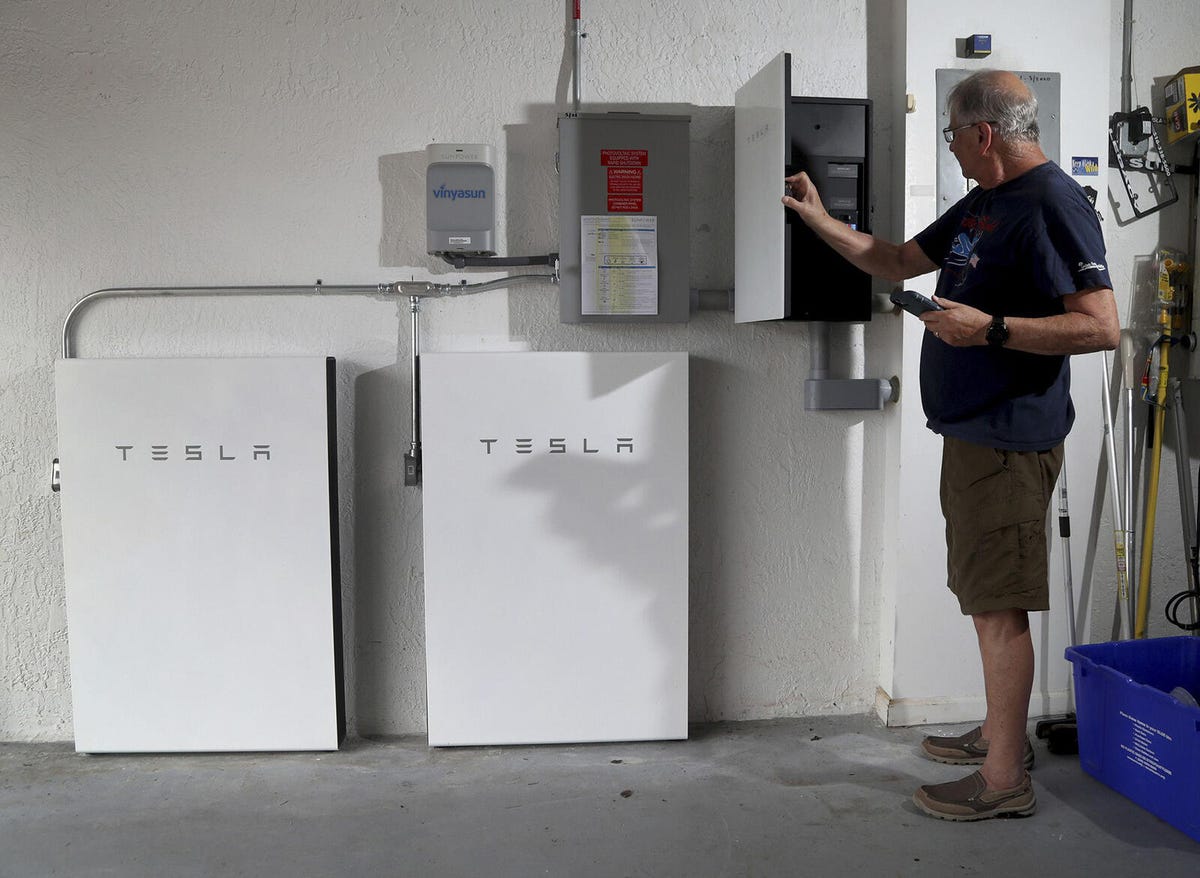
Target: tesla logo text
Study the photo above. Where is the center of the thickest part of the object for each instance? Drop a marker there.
(194, 452)
(623, 445)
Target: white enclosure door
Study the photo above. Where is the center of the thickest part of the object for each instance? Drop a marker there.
(759, 162)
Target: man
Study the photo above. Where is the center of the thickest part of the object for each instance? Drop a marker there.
(1024, 285)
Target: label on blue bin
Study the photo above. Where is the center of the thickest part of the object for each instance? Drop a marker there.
(1140, 750)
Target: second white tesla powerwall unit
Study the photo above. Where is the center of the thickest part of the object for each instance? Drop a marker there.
(200, 547)
(556, 546)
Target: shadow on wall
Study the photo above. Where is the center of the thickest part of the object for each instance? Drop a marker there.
(644, 527)
(402, 226)
(389, 637)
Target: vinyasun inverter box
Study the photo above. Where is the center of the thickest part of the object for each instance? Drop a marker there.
(1134, 735)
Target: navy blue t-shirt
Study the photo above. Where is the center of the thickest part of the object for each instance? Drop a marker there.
(1014, 250)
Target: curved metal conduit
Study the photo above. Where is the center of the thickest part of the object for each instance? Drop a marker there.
(414, 290)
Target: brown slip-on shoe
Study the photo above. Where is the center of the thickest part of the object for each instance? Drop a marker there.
(969, 748)
(970, 799)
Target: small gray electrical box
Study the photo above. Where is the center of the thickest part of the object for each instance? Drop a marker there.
(624, 218)
(460, 199)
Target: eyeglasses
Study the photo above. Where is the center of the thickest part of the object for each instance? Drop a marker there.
(948, 133)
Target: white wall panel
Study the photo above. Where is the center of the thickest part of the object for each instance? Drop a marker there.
(945, 684)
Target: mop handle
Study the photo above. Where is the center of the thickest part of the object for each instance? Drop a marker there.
(1160, 418)
(1110, 450)
(1064, 530)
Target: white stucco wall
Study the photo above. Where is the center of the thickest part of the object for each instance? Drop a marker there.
(260, 143)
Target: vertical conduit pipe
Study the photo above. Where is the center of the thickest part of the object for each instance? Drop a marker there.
(1127, 58)
(576, 88)
(818, 351)
(414, 360)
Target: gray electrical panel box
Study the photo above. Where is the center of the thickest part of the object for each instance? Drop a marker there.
(624, 218)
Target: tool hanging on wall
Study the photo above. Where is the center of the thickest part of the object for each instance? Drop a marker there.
(1130, 138)
(1175, 604)
(1172, 288)
(1187, 518)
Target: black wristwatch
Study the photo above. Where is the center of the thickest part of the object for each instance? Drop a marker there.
(997, 333)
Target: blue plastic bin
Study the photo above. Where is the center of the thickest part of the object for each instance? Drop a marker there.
(1133, 735)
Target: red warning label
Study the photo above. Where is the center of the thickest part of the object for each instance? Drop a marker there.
(624, 158)
(624, 204)
(624, 181)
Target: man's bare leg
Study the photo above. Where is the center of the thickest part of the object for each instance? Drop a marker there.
(1006, 649)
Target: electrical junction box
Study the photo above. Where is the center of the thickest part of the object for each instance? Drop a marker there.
(460, 199)
(979, 45)
(624, 218)
(1181, 103)
(782, 270)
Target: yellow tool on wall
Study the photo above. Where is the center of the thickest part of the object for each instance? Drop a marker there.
(1172, 281)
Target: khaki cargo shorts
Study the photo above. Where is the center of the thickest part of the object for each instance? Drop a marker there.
(995, 505)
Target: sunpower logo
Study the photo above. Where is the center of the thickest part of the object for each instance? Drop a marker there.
(455, 194)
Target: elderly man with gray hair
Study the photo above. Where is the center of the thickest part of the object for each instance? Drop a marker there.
(1023, 285)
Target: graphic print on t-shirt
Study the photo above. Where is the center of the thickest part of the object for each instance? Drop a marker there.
(962, 257)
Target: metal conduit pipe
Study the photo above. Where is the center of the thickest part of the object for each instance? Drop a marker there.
(380, 290)
(1127, 57)
(576, 87)
(422, 289)
(412, 461)
(818, 351)
(430, 290)
(823, 392)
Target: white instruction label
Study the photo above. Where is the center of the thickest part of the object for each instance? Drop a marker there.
(1140, 750)
(619, 264)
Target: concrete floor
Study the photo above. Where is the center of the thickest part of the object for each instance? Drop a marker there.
(828, 796)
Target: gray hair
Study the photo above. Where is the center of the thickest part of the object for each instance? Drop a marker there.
(983, 97)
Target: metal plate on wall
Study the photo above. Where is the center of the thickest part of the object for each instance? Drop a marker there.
(951, 185)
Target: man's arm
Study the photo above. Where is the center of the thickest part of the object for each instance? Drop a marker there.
(1089, 324)
(895, 262)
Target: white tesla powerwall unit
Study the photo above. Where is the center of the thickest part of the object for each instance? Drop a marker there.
(556, 546)
(200, 547)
